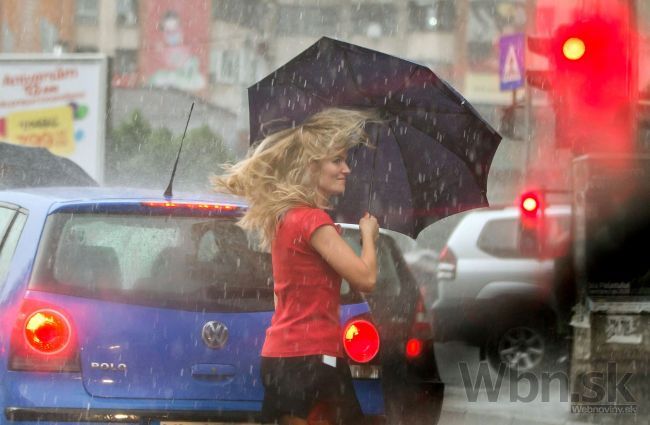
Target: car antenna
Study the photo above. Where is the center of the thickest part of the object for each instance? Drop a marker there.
(168, 191)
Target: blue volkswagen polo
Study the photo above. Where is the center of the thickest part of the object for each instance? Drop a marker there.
(124, 306)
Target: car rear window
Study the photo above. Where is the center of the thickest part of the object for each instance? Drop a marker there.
(11, 226)
(195, 263)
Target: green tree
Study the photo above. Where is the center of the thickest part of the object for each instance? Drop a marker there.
(142, 156)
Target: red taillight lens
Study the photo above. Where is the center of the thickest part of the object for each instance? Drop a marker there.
(361, 340)
(47, 331)
(43, 340)
(413, 348)
(421, 330)
(446, 264)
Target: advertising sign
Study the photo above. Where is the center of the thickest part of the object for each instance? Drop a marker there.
(58, 103)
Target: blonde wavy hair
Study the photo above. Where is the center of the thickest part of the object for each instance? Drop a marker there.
(277, 174)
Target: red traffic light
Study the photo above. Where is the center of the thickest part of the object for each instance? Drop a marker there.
(530, 204)
(573, 48)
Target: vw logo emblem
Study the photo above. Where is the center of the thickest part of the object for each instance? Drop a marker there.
(214, 334)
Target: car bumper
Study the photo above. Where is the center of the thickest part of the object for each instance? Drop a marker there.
(62, 399)
(45, 416)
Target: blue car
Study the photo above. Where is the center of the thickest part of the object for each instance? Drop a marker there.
(124, 306)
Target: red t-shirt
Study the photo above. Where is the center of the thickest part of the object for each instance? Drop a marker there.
(306, 319)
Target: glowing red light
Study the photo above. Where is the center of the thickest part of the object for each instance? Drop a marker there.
(361, 341)
(190, 205)
(47, 331)
(573, 48)
(413, 348)
(530, 204)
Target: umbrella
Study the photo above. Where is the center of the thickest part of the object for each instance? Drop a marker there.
(22, 166)
(433, 150)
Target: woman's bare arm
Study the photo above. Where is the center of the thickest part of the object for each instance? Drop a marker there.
(359, 271)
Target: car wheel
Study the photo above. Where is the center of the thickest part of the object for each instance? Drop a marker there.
(518, 348)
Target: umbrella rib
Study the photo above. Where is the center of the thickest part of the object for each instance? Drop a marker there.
(354, 80)
(401, 157)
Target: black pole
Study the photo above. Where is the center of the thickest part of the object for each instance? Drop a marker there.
(168, 191)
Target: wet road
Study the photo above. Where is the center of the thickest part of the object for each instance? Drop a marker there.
(503, 403)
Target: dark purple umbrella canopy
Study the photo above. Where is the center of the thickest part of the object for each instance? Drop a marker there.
(22, 166)
(433, 150)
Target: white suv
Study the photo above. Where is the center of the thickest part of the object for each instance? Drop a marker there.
(492, 295)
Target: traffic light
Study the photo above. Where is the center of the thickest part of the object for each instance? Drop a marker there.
(531, 223)
(589, 82)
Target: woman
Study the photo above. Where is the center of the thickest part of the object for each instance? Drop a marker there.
(289, 180)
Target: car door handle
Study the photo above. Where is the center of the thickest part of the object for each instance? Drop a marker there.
(213, 371)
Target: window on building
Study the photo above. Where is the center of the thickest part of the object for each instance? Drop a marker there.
(438, 15)
(243, 12)
(127, 12)
(87, 11)
(125, 62)
(233, 66)
(224, 66)
(374, 19)
(86, 49)
(310, 21)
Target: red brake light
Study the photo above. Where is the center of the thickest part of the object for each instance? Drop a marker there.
(43, 339)
(413, 348)
(361, 340)
(47, 331)
(421, 330)
(191, 205)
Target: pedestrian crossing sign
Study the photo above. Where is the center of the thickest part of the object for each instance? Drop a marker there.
(511, 61)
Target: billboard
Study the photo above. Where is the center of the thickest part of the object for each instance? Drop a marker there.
(175, 44)
(58, 103)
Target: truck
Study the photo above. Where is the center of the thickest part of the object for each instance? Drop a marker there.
(58, 102)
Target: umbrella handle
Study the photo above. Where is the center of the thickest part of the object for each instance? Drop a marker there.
(372, 170)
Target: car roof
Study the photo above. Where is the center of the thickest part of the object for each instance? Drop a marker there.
(43, 197)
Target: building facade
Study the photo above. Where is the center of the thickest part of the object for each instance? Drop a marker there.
(215, 49)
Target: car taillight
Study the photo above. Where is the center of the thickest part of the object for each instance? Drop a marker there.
(47, 331)
(360, 340)
(192, 205)
(413, 348)
(421, 331)
(446, 264)
(43, 339)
